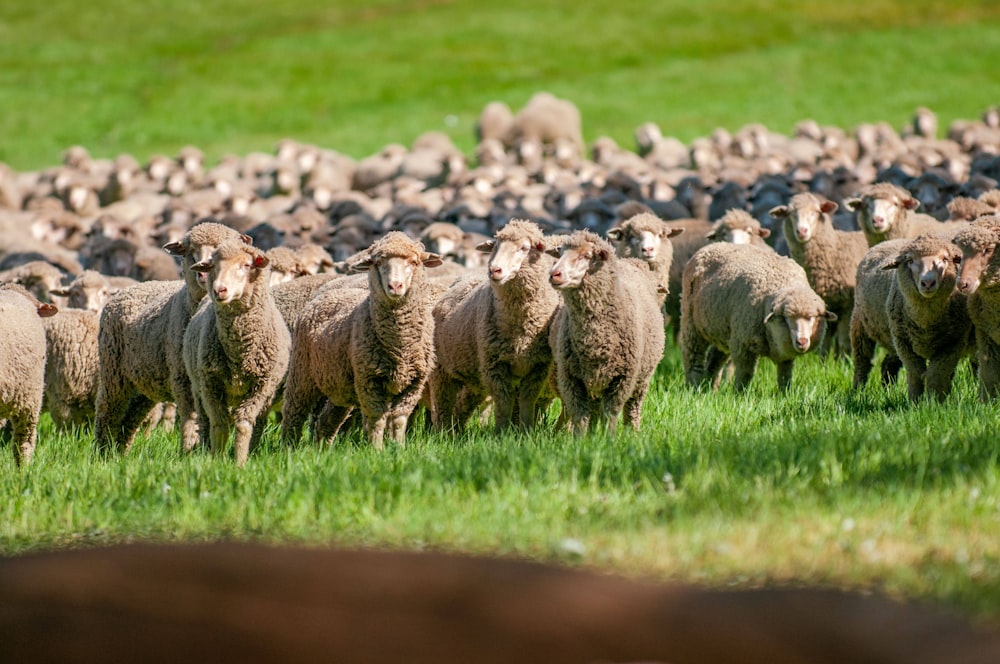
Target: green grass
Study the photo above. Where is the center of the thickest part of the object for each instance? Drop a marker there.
(238, 75)
(821, 486)
(818, 486)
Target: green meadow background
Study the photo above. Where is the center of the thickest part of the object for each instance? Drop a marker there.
(819, 486)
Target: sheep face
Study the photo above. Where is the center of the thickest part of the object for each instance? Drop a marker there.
(231, 271)
(803, 217)
(394, 271)
(507, 257)
(642, 237)
(90, 291)
(793, 333)
(575, 263)
(978, 246)
(927, 271)
(880, 213)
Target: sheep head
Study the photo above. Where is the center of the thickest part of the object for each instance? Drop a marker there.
(927, 265)
(803, 215)
(642, 236)
(198, 245)
(881, 206)
(582, 253)
(232, 271)
(737, 227)
(978, 244)
(392, 262)
(796, 320)
(518, 241)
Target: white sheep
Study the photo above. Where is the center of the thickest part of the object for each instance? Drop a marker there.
(371, 349)
(607, 337)
(139, 346)
(928, 317)
(829, 256)
(887, 212)
(491, 335)
(745, 302)
(236, 348)
(870, 318)
(22, 355)
(646, 237)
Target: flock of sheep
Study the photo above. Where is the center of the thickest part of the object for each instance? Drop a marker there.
(346, 292)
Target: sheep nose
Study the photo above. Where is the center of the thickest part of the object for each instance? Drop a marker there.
(928, 283)
(802, 343)
(556, 276)
(221, 291)
(496, 273)
(878, 220)
(648, 251)
(396, 287)
(964, 285)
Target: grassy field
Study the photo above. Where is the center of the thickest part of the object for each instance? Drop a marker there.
(818, 486)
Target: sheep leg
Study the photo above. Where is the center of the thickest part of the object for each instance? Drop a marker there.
(988, 353)
(528, 395)
(444, 397)
(862, 352)
(784, 375)
(715, 362)
(891, 364)
(329, 421)
(375, 428)
(138, 408)
(241, 441)
(397, 427)
(109, 411)
(941, 374)
(301, 397)
(916, 369)
(842, 330)
(745, 364)
(633, 407)
(694, 348)
(24, 434)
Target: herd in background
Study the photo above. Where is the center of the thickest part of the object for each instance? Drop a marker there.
(333, 291)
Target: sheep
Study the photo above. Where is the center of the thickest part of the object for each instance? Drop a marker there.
(978, 280)
(236, 347)
(449, 240)
(928, 317)
(284, 265)
(869, 318)
(71, 368)
(744, 302)
(372, 349)
(886, 212)
(140, 341)
(491, 335)
(41, 278)
(646, 237)
(607, 337)
(90, 291)
(738, 226)
(22, 381)
(546, 119)
(829, 256)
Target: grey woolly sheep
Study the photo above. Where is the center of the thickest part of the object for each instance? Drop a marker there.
(870, 318)
(744, 302)
(829, 256)
(738, 226)
(691, 236)
(928, 317)
(284, 265)
(491, 336)
(41, 278)
(646, 237)
(236, 348)
(89, 291)
(22, 352)
(140, 340)
(372, 349)
(71, 368)
(979, 280)
(886, 212)
(607, 337)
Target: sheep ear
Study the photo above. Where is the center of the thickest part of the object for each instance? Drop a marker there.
(45, 310)
(894, 264)
(61, 292)
(853, 204)
(712, 234)
(614, 234)
(602, 254)
(260, 261)
(828, 207)
(362, 265)
(247, 240)
(769, 316)
(765, 233)
(911, 203)
(175, 248)
(674, 232)
(663, 290)
(486, 247)
(539, 246)
(555, 251)
(430, 260)
(202, 266)
(779, 212)
(830, 316)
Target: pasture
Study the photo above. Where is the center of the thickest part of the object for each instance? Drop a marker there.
(822, 485)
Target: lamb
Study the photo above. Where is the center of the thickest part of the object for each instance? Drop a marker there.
(236, 347)
(928, 317)
(746, 302)
(22, 382)
(978, 280)
(491, 335)
(886, 212)
(829, 256)
(646, 237)
(607, 337)
(869, 318)
(72, 366)
(372, 349)
(139, 345)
